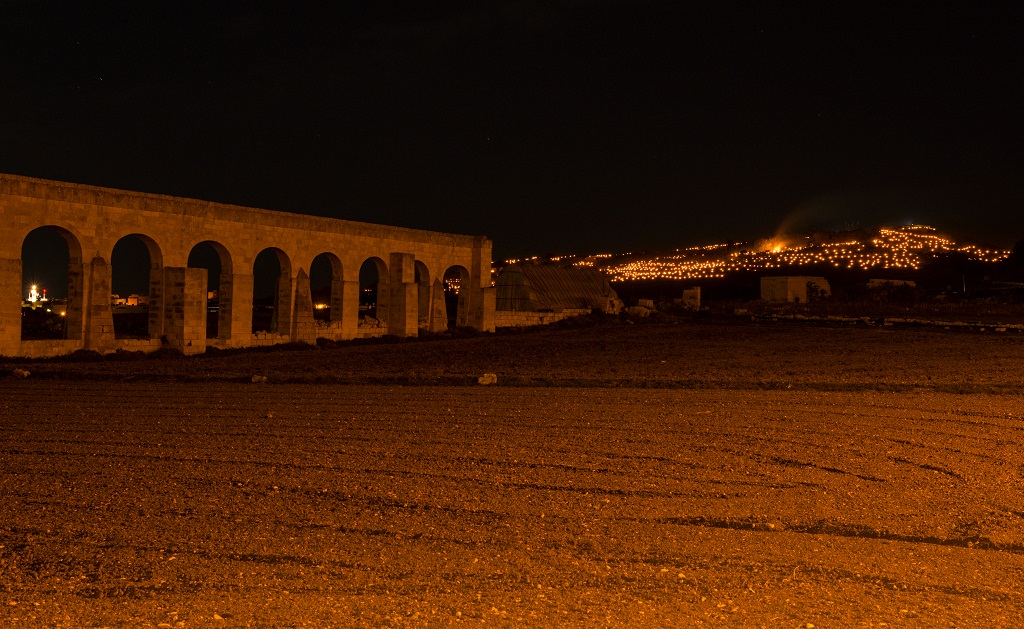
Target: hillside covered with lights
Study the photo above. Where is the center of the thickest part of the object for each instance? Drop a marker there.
(889, 248)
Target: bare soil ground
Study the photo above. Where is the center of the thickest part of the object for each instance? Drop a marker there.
(770, 475)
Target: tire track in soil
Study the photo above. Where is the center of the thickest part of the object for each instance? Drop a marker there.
(840, 530)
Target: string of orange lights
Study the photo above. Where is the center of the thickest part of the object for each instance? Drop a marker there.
(893, 248)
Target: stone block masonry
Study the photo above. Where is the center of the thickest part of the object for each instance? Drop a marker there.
(525, 318)
(185, 310)
(92, 220)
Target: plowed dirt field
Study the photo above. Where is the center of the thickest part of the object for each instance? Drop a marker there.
(761, 476)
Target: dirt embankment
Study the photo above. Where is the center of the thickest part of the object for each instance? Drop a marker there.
(688, 354)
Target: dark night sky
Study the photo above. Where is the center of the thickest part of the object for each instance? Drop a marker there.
(552, 126)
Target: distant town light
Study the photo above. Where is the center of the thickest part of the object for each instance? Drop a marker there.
(898, 248)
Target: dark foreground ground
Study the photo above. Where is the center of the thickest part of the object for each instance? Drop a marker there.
(762, 475)
(689, 354)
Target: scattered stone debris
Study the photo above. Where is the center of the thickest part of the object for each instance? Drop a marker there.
(638, 311)
(488, 378)
(21, 373)
(371, 322)
(258, 379)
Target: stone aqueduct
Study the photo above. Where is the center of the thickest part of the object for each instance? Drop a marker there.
(410, 265)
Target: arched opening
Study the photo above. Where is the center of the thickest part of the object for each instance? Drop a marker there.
(422, 296)
(51, 275)
(456, 292)
(373, 293)
(271, 292)
(213, 257)
(135, 286)
(325, 286)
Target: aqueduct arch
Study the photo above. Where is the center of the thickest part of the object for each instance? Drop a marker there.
(373, 279)
(279, 293)
(207, 255)
(92, 220)
(73, 309)
(330, 305)
(456, 299)
(154, 281)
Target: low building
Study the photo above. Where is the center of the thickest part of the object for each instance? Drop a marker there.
(130, 300)
(534, 294)
(690, 299)
(794, 288)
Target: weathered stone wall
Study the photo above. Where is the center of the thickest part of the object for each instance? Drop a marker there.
(10, 304)
(93, 219)
(185, 309)
(524, 318)
(48, 347)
